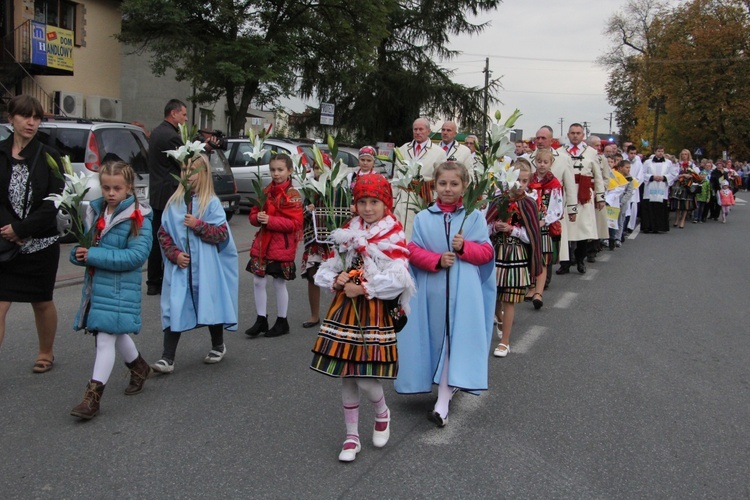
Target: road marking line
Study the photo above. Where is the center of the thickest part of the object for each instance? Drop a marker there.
(739, 201)
(524, 344)
(590, 273)
(635, 232)
(603, 257)
(566, 300)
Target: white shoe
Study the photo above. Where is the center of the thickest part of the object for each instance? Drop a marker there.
(163, 366)
(350, 454)
(501, 351)
(214, 355)
(380, 438)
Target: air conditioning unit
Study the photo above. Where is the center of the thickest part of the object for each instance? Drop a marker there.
(105, 108)
(68, 104)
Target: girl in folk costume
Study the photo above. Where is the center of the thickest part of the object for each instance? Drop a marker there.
(658, 175)
(681, 198)
(726, 200)
(547, 191)
(518, 252)
(366, 165)
(448, 336)
(111, 298)
(370, 276)
(200, 267)
(275, 245)
(315, 235)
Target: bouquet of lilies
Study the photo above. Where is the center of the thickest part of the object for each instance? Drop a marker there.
(492, 176)
(331, 187)
(259, 151)
(184, 154)
(410, 181)
(70, 201)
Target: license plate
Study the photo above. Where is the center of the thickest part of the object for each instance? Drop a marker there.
(225, 204)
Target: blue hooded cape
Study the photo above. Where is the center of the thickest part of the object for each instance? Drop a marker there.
(471, 307)
(214, 269)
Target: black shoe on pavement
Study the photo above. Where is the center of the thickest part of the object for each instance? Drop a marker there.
(281, 327)
(153, 290)
(260, 326)
(581, 266)
(563, 269)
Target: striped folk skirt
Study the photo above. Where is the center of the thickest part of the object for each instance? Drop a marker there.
(512, 270)
(346, 349)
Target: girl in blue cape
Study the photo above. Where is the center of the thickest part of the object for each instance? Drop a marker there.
(447, 338)
(200, 285)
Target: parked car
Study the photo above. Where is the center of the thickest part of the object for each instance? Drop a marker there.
(246, 169)
(91, 143)
(350, 157)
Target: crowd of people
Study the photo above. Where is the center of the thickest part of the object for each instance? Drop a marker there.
(399, 278)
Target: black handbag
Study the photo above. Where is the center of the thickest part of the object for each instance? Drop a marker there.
(9, 249)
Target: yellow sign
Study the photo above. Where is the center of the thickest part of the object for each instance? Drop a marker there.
(59, 48)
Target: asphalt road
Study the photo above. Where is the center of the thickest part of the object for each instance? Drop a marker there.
(631, 382)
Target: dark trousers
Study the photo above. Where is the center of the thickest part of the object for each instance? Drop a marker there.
(171, 339)
(580, 250)
(155, 272)
(714, 209)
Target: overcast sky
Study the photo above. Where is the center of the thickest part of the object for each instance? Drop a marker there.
(545, 52)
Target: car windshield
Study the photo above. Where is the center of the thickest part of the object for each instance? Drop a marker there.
(218, 162)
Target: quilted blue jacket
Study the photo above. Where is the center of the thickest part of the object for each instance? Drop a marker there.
(111, 298)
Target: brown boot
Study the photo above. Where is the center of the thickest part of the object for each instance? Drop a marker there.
(139, 372)
(89, 407)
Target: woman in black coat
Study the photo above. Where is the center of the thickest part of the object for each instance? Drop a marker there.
(30, 222)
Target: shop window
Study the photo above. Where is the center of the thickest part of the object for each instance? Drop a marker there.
(61, 13)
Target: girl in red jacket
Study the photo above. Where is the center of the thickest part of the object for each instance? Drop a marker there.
(275, 245)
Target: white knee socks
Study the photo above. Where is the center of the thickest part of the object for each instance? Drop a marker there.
(282, 296)
(350, 398)
(106, 344)
(261, 299)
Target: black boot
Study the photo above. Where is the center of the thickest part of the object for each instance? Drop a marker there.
(611, 244)
(260, 326)
(281, 327)
(581, 266)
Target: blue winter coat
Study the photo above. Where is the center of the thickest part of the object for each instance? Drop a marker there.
(111, 298)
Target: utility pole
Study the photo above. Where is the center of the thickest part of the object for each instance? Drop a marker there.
(561, 121)
(610, 123)
(486, 72)
(586, 128)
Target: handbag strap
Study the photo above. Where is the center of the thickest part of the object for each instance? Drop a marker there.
(32, 166)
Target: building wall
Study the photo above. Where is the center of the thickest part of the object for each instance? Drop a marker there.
(96, 66)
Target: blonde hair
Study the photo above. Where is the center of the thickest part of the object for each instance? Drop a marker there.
(128, 174)
(204, 188)
(452, 166)
(541, 153)
(523, 164)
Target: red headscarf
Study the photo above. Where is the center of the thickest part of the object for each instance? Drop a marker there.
(374, 186)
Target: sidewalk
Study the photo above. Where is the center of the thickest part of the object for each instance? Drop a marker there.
(69, 274)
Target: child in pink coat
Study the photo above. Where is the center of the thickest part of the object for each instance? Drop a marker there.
(726, 200)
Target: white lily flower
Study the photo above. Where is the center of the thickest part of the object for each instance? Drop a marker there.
(511, 178)
(319, 184)
(57, 199)
(341, 175)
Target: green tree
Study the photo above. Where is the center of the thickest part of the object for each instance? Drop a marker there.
(252, 51)
(378, 99)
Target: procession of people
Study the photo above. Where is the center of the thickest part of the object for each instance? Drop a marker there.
(399, 276)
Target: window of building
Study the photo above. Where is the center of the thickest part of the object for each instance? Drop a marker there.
(61, 13)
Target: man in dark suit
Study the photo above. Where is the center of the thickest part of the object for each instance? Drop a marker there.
(162, 185)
